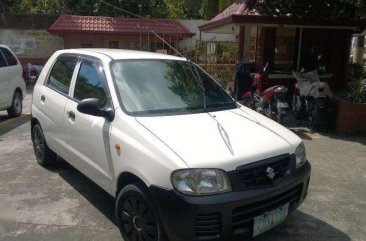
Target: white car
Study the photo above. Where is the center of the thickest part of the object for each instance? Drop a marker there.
(12, 85)
(183, 159)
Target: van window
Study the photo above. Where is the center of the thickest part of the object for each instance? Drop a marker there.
(9, 57)
(61, 74)
(2, 61)
(90, 83)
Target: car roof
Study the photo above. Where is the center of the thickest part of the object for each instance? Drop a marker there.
(5, 46)
(121, 54)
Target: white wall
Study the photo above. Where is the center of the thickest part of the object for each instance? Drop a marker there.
(192, 25)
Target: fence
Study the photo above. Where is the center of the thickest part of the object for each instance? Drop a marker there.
(217, 58)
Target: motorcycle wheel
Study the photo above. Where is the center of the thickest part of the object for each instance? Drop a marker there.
(315, 118)
(297, 107)
(279, 118)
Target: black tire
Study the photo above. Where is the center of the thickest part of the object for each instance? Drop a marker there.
(315, 120)
(44, 155)
(15, 110)
(136, 216)
(297, 110)
(280, 117)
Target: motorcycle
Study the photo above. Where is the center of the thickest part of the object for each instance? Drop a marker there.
(312, 99)
(270, 102)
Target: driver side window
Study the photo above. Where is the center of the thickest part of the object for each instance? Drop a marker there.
(90, 83)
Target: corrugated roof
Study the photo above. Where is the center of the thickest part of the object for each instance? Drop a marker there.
(279, 8)
(111, 25)
(276, 11)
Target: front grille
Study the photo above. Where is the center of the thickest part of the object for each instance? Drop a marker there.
(242, 217)
(208, 225)
(255, 175)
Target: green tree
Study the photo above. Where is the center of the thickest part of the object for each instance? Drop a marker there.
(210, 9)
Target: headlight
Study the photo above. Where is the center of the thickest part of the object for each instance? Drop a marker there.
(201, 181)
(300, 155)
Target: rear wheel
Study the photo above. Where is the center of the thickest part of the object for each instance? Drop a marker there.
(44, 155)
(136, 215)
(315, 118)
(15, 110)
(296, 107)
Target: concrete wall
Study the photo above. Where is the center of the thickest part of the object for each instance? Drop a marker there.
(32, 45)
(192, 25)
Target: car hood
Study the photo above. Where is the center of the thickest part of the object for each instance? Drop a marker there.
(223, 139)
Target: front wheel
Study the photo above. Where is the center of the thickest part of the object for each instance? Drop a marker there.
(15, 110)
(136, 216)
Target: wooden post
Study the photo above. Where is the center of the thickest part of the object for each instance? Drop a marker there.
(241, 44)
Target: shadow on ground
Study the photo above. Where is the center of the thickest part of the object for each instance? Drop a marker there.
(301, 226)
(7, 124)
(99, 198)
(298, 226)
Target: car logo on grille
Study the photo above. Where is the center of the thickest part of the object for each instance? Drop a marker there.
(270, 172)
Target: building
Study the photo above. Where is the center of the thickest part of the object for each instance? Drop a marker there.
(271, 32)
(126, 33)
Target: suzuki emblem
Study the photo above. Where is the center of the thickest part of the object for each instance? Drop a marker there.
(270, 172)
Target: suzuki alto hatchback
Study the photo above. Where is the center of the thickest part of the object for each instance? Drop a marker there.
(184, 161)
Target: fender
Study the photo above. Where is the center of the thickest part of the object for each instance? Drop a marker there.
(268, 93)
(247, 94)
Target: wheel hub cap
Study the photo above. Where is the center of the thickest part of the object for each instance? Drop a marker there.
(137, 223)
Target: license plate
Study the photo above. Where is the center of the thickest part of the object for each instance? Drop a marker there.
(282, 105)
(270, 219)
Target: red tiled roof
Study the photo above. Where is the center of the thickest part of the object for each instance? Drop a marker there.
(110, 25)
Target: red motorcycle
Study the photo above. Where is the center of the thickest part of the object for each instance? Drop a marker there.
(270, 102)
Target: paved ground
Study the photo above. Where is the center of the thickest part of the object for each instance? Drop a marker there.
(61, 204)
(7, 124)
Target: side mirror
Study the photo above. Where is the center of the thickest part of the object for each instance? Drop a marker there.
(93, 107)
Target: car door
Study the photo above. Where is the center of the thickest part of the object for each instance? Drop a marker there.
(13, 74)
(88, 136)
(4, 82)
(51, 99)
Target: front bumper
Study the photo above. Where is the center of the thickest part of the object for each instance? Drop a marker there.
(227, 216)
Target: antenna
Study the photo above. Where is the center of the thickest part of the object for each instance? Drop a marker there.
(151, 31)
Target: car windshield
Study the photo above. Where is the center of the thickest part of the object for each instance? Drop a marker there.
(167, 86)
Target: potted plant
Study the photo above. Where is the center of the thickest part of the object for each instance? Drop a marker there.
(350, 104)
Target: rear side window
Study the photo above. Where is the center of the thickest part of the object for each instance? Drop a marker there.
(9, 57)
(90, 83)
(61, 74)
(2, 61)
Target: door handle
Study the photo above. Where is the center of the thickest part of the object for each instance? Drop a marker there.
(43, 98)
(71, 115)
